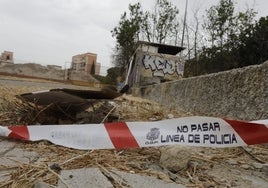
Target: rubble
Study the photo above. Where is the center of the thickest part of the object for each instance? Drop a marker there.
(42, 164)
(175, 158)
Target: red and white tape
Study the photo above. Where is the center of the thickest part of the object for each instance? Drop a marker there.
(187, 131)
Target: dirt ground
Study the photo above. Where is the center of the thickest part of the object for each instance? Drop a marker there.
(206, 167)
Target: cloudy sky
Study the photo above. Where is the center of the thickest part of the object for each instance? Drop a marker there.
(52, 31)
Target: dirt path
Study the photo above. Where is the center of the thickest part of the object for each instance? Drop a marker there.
(31, 85)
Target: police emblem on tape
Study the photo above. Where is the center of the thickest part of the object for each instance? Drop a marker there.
(152, 136)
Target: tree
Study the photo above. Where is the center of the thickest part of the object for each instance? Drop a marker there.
(253, 47)
(193, 36)
(220, 22)
(196, 30)
(233, 40)
(160, 24)
(126, 33)
(112, 74)
(224, 28)
(244, 22)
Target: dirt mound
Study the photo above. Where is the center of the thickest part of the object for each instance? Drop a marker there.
(40, 71)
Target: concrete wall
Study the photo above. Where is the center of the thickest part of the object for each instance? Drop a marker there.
(239, 93)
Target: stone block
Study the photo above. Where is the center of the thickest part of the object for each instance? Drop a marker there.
(84, 178)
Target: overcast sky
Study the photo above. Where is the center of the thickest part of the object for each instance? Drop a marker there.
(52, 31)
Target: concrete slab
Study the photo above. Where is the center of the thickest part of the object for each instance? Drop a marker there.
(11, 156)
(5, 146)
(136, 180)
(16, 156)
(93, 177)
(84, 178)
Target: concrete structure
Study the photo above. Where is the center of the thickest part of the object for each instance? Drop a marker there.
(6, 57)
(85, 62)
(155, 63)
(239, 93)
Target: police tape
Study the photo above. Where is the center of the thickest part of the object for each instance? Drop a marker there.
(186, 131)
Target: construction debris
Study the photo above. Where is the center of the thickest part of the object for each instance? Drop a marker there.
(42, 161)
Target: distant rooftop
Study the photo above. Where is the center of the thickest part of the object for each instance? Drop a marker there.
(87, 53)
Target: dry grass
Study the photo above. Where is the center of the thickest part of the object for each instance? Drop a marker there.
(13, 111)
(126, 108)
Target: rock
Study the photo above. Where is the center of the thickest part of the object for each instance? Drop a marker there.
(91, 177)
(154, 119)
(55, 167)
(232, 162)
(223, 181)
(175, 158)
(257, 165)
(265, 169)
(246, 166)
(170, 116)
(41, 184)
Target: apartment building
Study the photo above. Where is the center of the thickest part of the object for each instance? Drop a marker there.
(85, 62)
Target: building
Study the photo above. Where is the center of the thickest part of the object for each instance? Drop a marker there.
(85, 62)
(154, 63)
(6, 57)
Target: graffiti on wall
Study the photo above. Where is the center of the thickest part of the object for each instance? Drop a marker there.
(161, 66)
